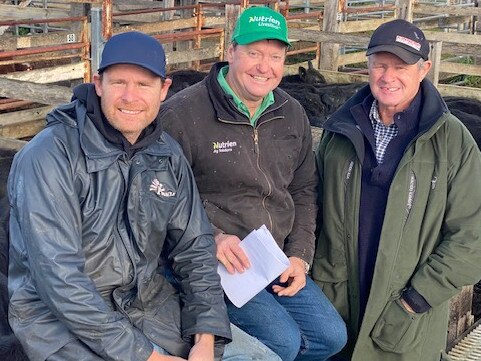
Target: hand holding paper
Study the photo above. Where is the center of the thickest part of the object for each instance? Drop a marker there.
(267, 261)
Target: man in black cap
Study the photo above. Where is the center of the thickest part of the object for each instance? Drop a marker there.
(400, 206)
(103, 207)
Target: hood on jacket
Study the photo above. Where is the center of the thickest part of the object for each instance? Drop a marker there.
(85, 94)
(342, 121)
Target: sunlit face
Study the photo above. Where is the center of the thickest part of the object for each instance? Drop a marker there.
(255, 69)
(130, 97)
(393, 82)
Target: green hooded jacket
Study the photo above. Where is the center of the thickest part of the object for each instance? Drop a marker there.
(430, 239)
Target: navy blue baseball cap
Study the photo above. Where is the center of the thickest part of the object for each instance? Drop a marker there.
(135, 48)
(401, 38)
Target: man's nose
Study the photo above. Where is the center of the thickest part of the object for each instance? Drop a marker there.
(263, 65)
(388, 74)
(128, 94)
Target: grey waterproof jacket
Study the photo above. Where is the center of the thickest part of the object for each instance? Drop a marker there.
(88, 226)
(430, 239)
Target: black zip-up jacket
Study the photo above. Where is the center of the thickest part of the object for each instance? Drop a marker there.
(249, 175)
(88, 225)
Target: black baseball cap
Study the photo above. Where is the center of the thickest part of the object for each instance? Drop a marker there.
(134, 47)
(401, 38)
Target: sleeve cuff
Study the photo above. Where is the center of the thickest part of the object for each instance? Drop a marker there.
(415, 300)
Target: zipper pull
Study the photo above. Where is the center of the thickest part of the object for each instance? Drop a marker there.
(433, 182)
(256, 141)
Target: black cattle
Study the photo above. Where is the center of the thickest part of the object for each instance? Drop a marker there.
(306, 76)
(10, 348)
(321, 100)
(183, 78)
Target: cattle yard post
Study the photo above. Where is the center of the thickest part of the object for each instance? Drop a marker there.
(232, 12)
(96, 41)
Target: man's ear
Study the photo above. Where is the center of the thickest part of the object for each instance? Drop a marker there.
(97, 80)
(426, 68)
(166, 83)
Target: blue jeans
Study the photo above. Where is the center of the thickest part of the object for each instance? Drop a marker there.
(302, 328)
(242, 348)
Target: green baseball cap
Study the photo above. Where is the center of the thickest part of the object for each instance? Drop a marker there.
(260, 23)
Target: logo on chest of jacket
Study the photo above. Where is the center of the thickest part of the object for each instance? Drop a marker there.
(223, 147)
(159, 189)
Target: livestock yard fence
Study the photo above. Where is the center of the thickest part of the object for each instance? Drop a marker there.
(49, 46)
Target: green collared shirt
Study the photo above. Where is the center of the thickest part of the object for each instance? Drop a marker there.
(266, 102)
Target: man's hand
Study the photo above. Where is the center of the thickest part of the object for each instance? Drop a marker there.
(203, 349)
(295, 276)
(230, 254)
(158, 357)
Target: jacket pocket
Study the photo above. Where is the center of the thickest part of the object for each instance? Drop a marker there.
(398, 330)
(332, 278)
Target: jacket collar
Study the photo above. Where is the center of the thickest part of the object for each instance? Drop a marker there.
(225, 107)
(99, 152)
(343, 122)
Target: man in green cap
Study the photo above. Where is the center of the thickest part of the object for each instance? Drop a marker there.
(250, 148)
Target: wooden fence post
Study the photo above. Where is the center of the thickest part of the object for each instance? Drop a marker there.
(435, 56)
(405, 10)
(232, 12)
(330, 51)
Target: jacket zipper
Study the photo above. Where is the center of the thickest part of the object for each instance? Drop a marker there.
(407, 213)
(264, 199)
(126, 243)
(257, 151)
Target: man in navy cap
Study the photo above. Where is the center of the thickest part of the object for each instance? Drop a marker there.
(103, 207)
(400, 200)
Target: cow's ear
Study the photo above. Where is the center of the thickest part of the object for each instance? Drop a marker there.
(302, 73)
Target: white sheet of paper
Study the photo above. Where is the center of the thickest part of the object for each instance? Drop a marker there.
(267, 260)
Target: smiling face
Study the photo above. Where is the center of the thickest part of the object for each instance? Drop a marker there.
(394, 83)
(130, 97)
(255, 70)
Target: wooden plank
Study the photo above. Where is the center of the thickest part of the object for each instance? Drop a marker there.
(435, 22)
(449, 10)
(22, 116)
(193, 54)
(361, 25)
(451, 41)
(455, 38)
(458, 68)
(13, 12)
(462, 49)
(49, 75)
(158, 27)
(352, 58)
(459, 91)
(24, 123)
(213, 21)
(39, 93)
(9, 42)
(11, 144)
(329, 37)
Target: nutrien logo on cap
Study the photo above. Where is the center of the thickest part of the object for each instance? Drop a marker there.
(265, 21)
(413, 44)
